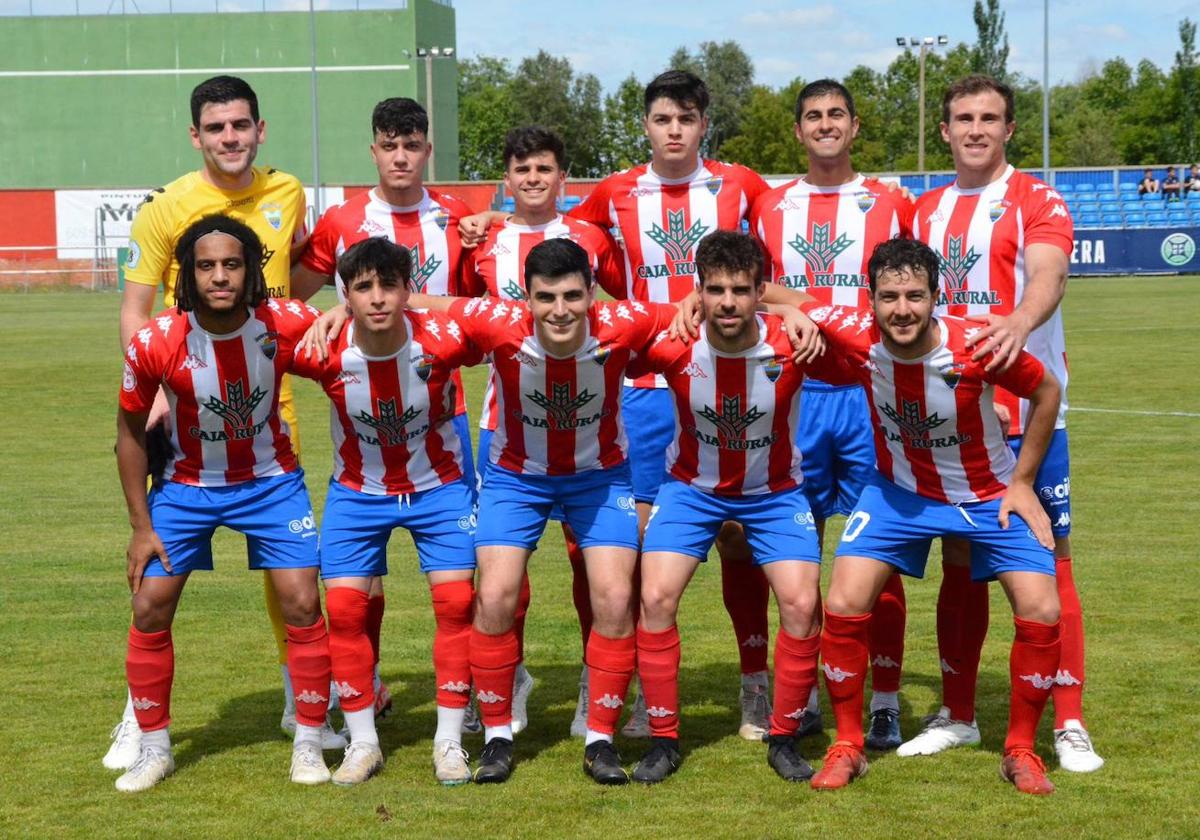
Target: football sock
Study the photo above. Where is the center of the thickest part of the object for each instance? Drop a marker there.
(814, 701)
(361, 723)
(610, 668)
(885, 700)
(160, 738)
(658, 673)
(844, 651)
(1032, 666)
(888, 618)
(452, 604)
(350, 648)
(289, 696)
(523, 599)
(746, 594)
(1068, 690)
(493, 667)
(311, 734)
(149, 671)
(275, 614)
(490, 732)
(450, 724)
(308, 664)
(375, 608)
(580, 593)
(591, 737)
(795, 676)
(128, 714)
(962, 623)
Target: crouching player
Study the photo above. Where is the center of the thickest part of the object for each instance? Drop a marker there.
(219, 356)
(736, 392)
(944, 470)
(398, 463)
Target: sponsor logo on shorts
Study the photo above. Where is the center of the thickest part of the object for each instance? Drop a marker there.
(627, 503)
(1038, 681)
(1058, 491)
(882, 661)
(306, 527)
(308, 696)
(755, 640)
(489, 697)
(467, 523)
(658, 711)
(523, 358)
(804, 517)
(837, 674)
(611, 701)
(457, 686)
(144, 703)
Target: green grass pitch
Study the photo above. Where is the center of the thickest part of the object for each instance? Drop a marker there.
(64, 609)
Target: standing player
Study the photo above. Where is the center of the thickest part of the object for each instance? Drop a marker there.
(737, 403)
(558, 361)
(398, 463)
(1004, 239)
(944, 469)
(219, 358)
(534, 176)
(401, 209)
(226, 129)
(819, 231)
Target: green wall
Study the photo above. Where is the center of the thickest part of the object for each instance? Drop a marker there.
(70, 125)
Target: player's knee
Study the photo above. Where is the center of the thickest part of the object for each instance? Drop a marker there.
(151, 616)
(799, 610)
(1044, 609)
(658, 603)
(301, 606)
(453, 603)
(840, 601)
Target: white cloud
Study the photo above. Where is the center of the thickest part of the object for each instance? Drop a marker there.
(791, 17)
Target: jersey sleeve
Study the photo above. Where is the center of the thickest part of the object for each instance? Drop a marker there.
(473, 282)
(142, 373)
(292, 318)
(310, 366)
(150, 247)
(754, 186)
(610, 268)
(650, 319)
(455, 348)
(484, 321)
(594, 208)
(321, 254)
(906, 216)
(657, 357)
(1047, 220)
(847, 331)
(1022, 377)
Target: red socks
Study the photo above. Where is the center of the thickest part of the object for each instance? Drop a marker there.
(844, 651)
(795, 675)
(658, 671)
(962, 623)
(610, 668)
(308, 664)
(888, 618)
(350, 649)
(1032, 667)
(452, 604)
(580, 593)
(375, 606)
(523, 599)
(1068, 691)
(493, 668)
(746, 594)
(149, 670)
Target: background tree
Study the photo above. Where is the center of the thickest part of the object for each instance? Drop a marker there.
(624, 139)
(485, 114)
(990, 54)
(729, 75)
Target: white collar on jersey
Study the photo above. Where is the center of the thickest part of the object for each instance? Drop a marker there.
(686, 179)
(1008, 171)
(396, 208)
(557, 220)
(852, 186)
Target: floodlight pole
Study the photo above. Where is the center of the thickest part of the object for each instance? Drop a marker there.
(316, 139)
(429, 107)
(921, 114)
(1046, 90)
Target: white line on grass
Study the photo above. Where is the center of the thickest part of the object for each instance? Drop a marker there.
(1129, 329)
(1141, 413)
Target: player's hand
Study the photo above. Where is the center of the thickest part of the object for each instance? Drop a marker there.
(473, 229)
(144, 546)
(896, 186)
(1003, 335)
(160, 413)
(686, 324)
(806, 338)
(1021, 500)
(324, 330)
(1003, 415)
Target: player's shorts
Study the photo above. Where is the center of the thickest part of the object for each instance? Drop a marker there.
(597, 504)
(355, 529)
(462, 425)
(649, 417)
(838, 445)
(483, 464)
(1053, 481)
(778, 526)
(895, 526)
(274, 513)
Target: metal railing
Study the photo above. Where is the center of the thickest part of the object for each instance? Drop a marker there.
(100, 270)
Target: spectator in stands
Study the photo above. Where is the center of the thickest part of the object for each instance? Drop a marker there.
(1171, 186)
(1148, 184)
(1192, 181)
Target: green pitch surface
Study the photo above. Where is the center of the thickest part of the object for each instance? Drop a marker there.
(64, 609)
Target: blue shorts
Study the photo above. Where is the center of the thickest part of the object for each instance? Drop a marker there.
(895, 526)
(462, 425)
(485, 446)
(778, 526)
(1053, 481)
(355, 529)
(649, 417)
(598, 505)
(838, 445)
(274, 513)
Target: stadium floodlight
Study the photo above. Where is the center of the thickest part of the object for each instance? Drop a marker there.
(914, 42)
(926, 43)
(943, 40)
(447, 51)
(901, 42)
(429, 54)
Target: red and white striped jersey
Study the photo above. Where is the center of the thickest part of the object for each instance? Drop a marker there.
(499, 270)
(559, 416)
(936, 430)
(428, 229)
(981, 236)
(390, 416)
(222, 390)
(661, 221)
(736, 415)
(819, 239)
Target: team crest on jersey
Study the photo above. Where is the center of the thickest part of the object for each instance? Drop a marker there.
(128, 380)
(819, 252)
(714, 184)
(865, 201)
(600, 354)
(996, 209)
(951, 374)
(772, 368)
(268, 344)
(423, 365)
(441, 218)
(273, 213)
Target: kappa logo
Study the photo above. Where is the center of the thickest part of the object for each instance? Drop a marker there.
(128, 380)
(642, 192)
(1038, 681)
(131, 354)
(623, 313)
(523, 358)
(344, 689)
(837, 675)
(390, 426)
(371, 228)
(659, 712)
(489, 697)
(678, 239)
(1059, 210)
(818, 251)
(882, 661)
(754, 640)
(294, 307)
(1063, 521)
(457, 686)
(694, 371)
(273, 213)
(498, 311)
(499, 249)
(193, 362)
(455, 330)
(849, 321)
(433, 329)
(796, 715)
(1066, 678)
(787, 204)
(164, 324)
(310, 696)
(946, 667)
(611, 701)
(604, 315)
(144, 703)
(349, 377)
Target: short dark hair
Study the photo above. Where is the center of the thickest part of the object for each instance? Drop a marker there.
(824, 87)
(555, 258)
(899, 253)
(731, 252)
(186, 293)
(978, 83)
(219, 90)
(378, 255)
(399, 116)
(687, 90)
(528, 140)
